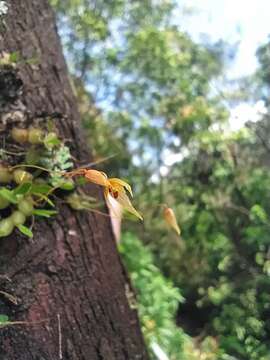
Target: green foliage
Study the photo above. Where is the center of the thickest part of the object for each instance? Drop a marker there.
(152, 75)
(158, 301)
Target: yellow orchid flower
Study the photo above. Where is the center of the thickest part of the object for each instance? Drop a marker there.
(117, 190)
(113, 187)
(117, 184)
(170, 219)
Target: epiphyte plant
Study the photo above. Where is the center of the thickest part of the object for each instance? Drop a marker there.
(44, 161)
(26, 185)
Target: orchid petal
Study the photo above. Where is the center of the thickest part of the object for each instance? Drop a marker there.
(124, 201)
(118, 184)
(97, 177)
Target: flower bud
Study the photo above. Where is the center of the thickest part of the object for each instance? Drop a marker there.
(21, 176)
(5, 175)
(6, 227)
(170, 219)
(19, 135)
(35, 136)
(26, 206)
(18, 218)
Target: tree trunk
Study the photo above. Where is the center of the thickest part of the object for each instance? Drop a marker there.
(70, 283)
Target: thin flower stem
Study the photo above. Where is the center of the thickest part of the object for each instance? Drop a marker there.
(13, 153)
(90, 209)
(98, 161)
(11, 323)
(34, 167)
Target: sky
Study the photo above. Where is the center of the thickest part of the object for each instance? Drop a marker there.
(237, 21)
(243, 21)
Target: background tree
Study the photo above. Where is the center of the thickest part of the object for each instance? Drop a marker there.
(70, 284)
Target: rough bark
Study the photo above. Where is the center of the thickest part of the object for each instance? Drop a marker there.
(69, 280)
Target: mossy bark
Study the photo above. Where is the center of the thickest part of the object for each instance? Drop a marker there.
(69, 281)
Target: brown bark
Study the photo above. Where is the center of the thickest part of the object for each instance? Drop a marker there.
(70, 277)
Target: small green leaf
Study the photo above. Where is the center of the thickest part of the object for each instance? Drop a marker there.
(45, 213)
(25, 230)
(81, 180)
(14, 57)
(8, 195)
(22, 189)
(38, 189)
(3, 319)
(45, 198)
(51, 140)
